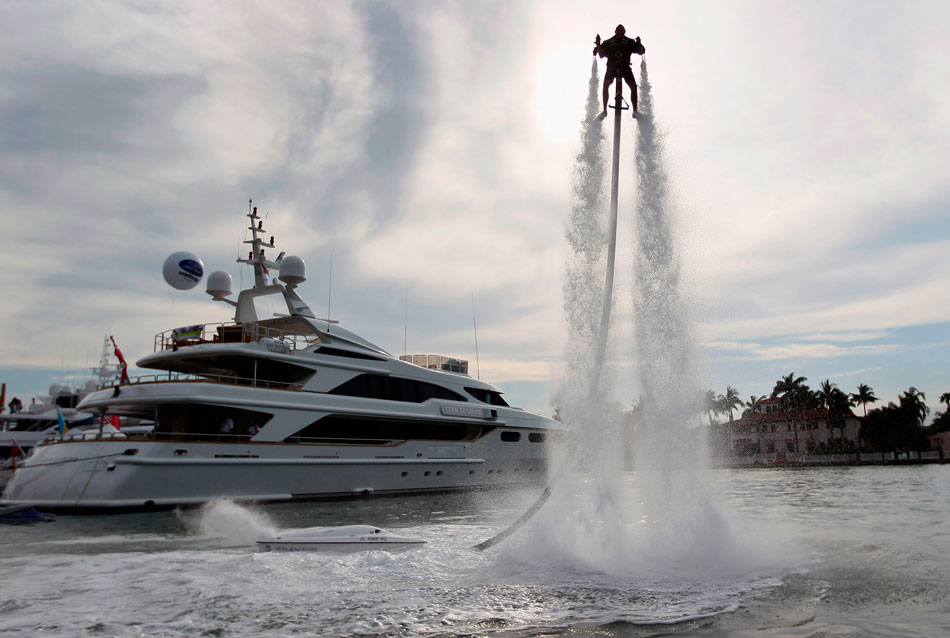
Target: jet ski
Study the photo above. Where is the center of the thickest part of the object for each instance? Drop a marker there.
(345, 539)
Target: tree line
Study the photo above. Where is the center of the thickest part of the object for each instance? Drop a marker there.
(895, 426)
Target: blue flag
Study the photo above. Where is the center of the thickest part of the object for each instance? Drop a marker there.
(62, 421)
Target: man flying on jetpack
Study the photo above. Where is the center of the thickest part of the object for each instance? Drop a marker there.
(618, 50)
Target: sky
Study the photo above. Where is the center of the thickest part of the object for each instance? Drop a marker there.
(422, 152)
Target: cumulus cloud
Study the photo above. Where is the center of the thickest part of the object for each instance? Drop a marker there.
(428, 149)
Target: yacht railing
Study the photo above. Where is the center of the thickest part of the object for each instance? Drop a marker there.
(206, 378)
(93, 434)
(232, 332)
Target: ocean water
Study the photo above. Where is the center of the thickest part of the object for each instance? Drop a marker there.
(828, 552)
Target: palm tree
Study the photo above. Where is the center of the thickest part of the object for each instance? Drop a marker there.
(792, 390)
(913, 400)
(838, 409)
(825, 394)
(788, 384)
(864, 395)
(710, 406)
(753, 404)
(729, 401)
(945, 399)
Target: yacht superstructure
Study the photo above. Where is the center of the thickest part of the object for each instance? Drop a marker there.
(283, 408)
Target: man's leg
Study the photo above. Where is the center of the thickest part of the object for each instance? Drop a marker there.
(628, 76)
(609, 77)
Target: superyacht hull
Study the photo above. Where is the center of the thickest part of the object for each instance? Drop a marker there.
(125, 474)
(282, 408)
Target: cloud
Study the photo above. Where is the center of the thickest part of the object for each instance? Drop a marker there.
(847, 336)
(787, 351)
(428, 148)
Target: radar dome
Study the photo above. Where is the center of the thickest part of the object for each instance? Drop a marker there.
(90, 385)
(219, 284)
(293, 270)
(54, 390)
(183, 270)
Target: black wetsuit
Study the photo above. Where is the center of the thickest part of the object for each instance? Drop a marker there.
(618, 50)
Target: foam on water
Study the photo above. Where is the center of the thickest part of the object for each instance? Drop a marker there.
(229, 522)
(876, 565)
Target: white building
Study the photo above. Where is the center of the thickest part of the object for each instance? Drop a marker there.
(778, 433)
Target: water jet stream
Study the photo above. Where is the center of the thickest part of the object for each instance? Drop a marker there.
(585, 298)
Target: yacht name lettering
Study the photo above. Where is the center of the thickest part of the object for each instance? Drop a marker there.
(461, 410)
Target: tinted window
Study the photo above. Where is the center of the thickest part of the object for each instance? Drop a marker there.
(338, 352)
(377, 386)
(369, 431)
(491, 397)
(511, 437)
(536, 437)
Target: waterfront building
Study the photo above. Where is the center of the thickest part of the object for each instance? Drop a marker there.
(777, 433)
(940, 441)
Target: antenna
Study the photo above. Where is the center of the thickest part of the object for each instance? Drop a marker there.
(478, 370)
(405, 325)
(250, 209)
(329, 291)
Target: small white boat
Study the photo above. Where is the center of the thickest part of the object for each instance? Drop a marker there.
(348, 538)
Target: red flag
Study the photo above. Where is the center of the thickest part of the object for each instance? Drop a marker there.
(15, 452)
(114, 419)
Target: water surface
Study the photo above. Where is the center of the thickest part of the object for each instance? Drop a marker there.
(831, 552)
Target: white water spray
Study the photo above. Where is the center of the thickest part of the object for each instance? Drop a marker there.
(231, 523)
(682, 521)
(587, 236)
(667, 520)
(582, 524)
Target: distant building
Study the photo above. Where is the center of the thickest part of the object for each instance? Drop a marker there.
(776, 433)
(940, 441)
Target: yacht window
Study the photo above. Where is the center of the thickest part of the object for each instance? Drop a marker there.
(369, 431)
(198, 422)
(536, 437)
(244, 369)
(338, 352)
(67, 400)
(492, 397)
(511, 437)
(271, 305)
(377, 386)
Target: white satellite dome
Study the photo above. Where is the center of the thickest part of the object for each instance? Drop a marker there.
(183, 270)
(293, 270)
(91, 385)
(219, 284)
(54, 390)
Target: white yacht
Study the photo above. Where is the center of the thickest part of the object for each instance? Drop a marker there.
(22, 430)
(283, 408)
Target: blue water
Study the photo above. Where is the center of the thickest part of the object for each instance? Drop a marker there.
(824, 552)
